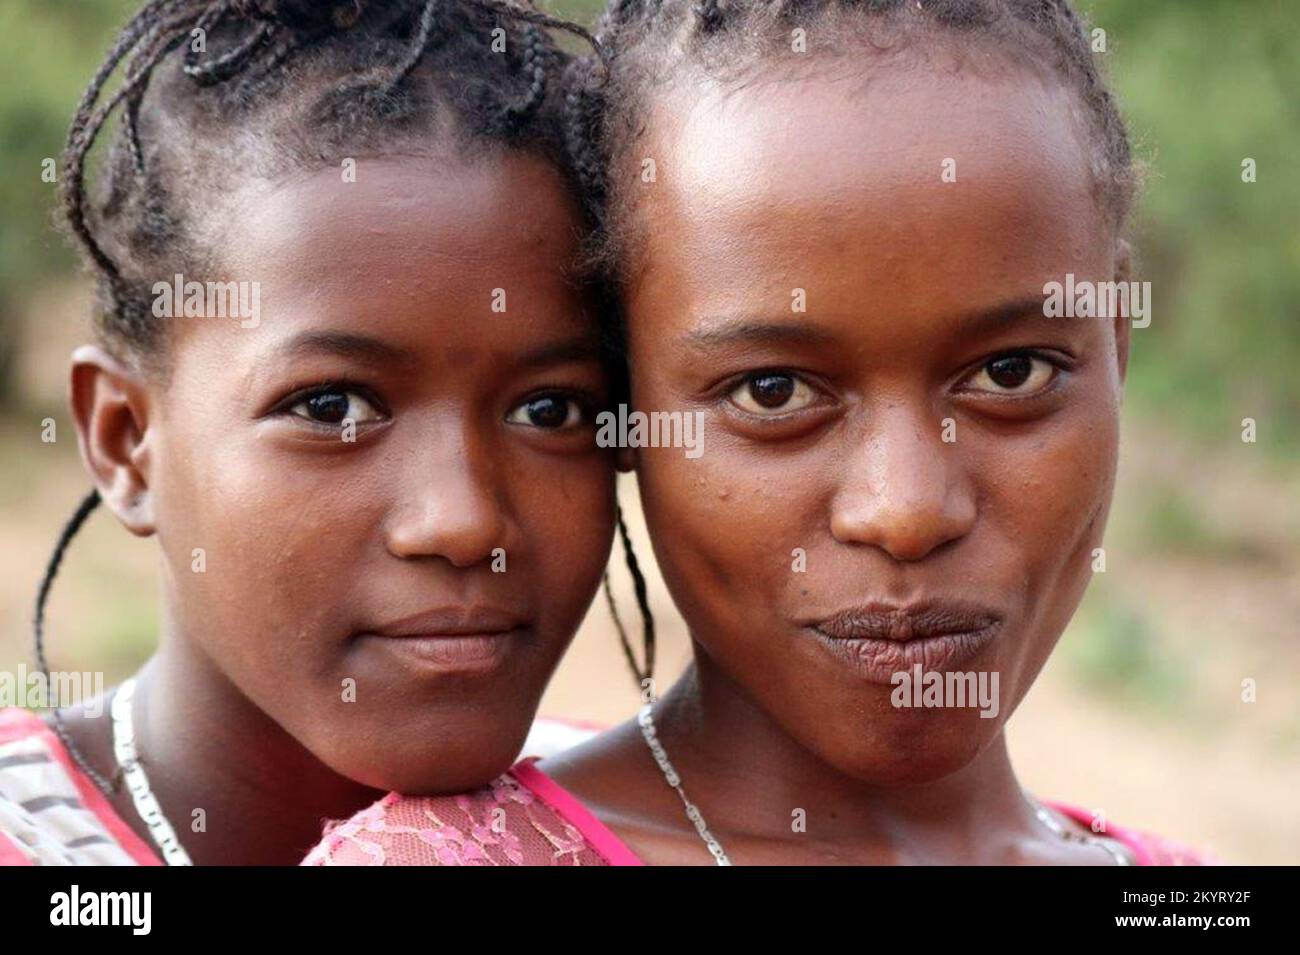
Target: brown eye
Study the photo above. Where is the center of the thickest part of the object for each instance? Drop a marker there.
(1010, 372)
(1015, 374)
(772, 391)
(550, 412)
(334, 406)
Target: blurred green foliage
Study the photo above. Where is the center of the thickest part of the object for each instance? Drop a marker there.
(1205, 84)
(50, 48)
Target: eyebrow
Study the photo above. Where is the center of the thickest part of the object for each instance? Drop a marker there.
(343, 344)
(727, 330)
(1013, 311)
(560, 353)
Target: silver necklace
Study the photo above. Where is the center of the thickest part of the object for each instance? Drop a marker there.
(137, 783)
(647, 722)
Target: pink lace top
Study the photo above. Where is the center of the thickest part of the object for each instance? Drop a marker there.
(526, 818)
(522, 817)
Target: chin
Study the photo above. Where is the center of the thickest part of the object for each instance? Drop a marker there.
(425, 765)
(911, 754)
(447, 779)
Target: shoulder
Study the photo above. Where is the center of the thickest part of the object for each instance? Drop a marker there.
(551, 735)
(1146, 847)
(49, 814)
(503, 823)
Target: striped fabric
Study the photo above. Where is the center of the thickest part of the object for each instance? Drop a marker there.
(46, 815)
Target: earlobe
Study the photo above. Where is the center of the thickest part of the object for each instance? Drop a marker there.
(1123, 324)
(111, 411)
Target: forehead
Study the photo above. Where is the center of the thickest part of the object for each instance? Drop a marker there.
(785, 177)
(419, 252)
(503, 216)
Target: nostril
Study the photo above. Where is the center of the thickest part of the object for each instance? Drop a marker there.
(908, 530)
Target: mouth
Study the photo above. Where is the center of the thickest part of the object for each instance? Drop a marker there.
(881, 640)
(451, 639)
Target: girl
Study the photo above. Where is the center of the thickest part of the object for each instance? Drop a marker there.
(834, 226)
(370, 464)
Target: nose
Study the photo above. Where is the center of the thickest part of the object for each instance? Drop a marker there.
(903, 489)
(454, 509)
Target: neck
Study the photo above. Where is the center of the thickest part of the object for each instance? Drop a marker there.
(206, 746)
(731, 754)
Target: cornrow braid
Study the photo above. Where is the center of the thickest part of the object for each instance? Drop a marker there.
(418, 45)
(646, 43)
(355, 58)
(534, 63)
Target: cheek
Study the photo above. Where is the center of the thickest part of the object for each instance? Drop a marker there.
(1053, 488)
(566, 516)
(723, 528)
(259, 545)
(1045, 511)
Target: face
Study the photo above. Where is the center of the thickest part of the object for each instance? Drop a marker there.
(906, 463)
(393, 476)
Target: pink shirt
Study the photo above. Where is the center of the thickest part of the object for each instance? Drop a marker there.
(526, 818)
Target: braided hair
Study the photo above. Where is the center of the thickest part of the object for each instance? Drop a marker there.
(649, 43)
(212, 90)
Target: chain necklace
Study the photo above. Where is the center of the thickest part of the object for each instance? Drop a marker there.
(137, 783)
(647, 723)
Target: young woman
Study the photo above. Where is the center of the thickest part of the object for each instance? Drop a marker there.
(371, 470)
(834, 225)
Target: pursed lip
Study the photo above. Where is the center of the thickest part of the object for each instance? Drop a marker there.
(881, 639)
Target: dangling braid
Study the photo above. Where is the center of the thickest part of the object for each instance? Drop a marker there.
(645, 672)
(84, 509)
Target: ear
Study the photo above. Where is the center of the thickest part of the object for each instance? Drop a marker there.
(1123, 323)
(111, 410)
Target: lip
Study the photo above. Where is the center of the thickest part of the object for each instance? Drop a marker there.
(881, 639)
(451, 639)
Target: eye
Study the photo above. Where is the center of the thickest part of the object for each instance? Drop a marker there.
(551, 412)
(772, 393)
(1017, 373)
(333, 405)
